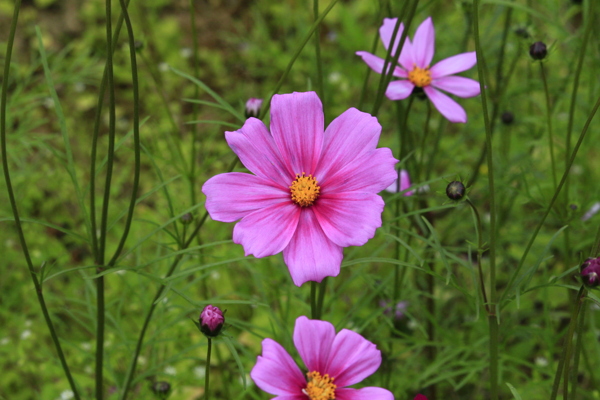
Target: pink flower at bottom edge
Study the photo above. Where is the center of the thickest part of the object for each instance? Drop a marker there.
(415, 71)
(312, 191)
(333, 361)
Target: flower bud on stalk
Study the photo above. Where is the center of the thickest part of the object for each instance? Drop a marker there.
(507, 118)
(253, 106)
(161, 389)
(211, 321)
(455, 190)
(590, 272)
(538, 51)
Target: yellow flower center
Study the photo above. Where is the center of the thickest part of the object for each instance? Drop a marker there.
(304, 190)
(319, 387)
(420, 77)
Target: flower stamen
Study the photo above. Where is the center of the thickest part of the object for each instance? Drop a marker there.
(319, 387)
(420, 77)
(304, 190)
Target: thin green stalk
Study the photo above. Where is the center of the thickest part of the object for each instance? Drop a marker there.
(563, 365)
(321, 298)
(392, 61)
(549, 122)
(363, 92)
(100, 311)
(13, 202)
(418, 172)
(578, 345)
(295, 56)
(193, 149)
(207, 374)
(313, 300)
(136, 133)
(492, 319)
(317, 34)
(479, 254)
(552, 201)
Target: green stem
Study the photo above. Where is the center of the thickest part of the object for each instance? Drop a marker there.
(13, 202)
(554, 198)
(207, 375)
(493, 321)
(313, 300)
(479, 254)
(295, 56)
(193, 150)
(549, 122)
(317, 34)
(363, 92)
(321, 298)
(579, 335)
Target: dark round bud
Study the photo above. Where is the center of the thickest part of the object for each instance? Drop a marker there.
(161, 389)
(522, 32)
(187, 218)
(455, 190)
(590, 272)
(538, 51)
(507, 118)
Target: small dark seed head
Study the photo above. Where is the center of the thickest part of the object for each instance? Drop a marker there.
(538, 51)
(187, 218)
(455, 190)
(507, 118)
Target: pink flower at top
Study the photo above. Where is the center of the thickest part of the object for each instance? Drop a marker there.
(414, 68)
(404, 184)
(333, 362)
(313, 191)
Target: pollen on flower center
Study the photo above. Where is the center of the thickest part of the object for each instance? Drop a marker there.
(420, 77)
(304, 190)
(319, 387)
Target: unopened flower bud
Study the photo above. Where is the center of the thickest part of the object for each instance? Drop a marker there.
(253, 106)
(211, 320)
(507, 118)
(538, 51)
(455, 190)
(187, 218)
(161, 389)
(590, 272)
(522, 32)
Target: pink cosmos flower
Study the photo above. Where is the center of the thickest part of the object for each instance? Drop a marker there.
(404, 184)
(333, 362)
(414, 67)
(313, 191)
(420, 397)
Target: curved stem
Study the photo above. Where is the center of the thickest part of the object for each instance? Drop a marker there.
(549, 122)
(13, 202)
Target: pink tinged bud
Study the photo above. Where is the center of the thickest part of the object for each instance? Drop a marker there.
(590, 272)
(253, 106)
(211, 320)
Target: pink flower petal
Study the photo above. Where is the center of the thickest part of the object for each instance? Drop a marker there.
(399, 90)
(313, 339)
(311, 256)
(452, 65)
(404, 184)
(376, 64)
(276, 372)
(293, 397)
(368, 393)
(386, 31)
(370, 173)
(348, 137)
(423, 44)
(256, 149)
(267, 231)
(445, 105)
(407, 61)
(297, 127)
(457, 85)
(349, 219)
(420, 397)
(234, 195)
(352, 358)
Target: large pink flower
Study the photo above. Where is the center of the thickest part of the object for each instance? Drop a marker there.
(313, 192)
(333, 362)
(415, 60)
